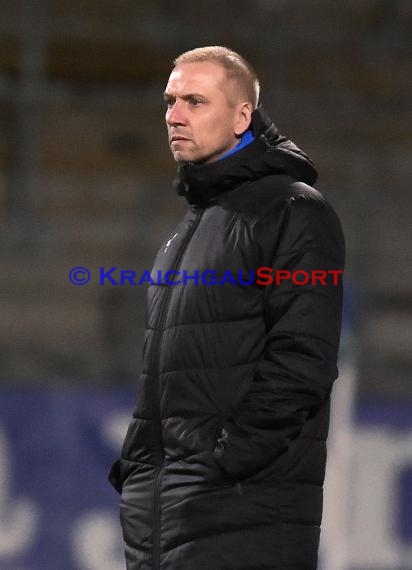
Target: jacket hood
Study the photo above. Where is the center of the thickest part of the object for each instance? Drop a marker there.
(269, 153)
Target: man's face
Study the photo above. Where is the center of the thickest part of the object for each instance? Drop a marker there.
(201, 124)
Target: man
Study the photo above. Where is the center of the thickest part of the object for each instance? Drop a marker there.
(223, 462)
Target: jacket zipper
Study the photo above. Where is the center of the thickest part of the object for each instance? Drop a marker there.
(156, 396)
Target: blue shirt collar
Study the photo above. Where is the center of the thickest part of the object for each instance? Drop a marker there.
(246, 139)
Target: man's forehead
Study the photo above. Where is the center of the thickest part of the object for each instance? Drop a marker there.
(196, 75)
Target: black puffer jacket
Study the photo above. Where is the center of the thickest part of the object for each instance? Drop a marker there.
(223, 463)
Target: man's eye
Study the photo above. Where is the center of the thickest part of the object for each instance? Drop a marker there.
(195, 102)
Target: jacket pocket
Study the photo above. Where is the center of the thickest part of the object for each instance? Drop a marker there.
(299, 451)
(115, 476)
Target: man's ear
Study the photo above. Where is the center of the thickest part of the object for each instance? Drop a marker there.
(243, 117)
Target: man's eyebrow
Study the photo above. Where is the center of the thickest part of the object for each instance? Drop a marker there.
(184, 97)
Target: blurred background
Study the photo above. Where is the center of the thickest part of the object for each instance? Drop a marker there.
(85, 180)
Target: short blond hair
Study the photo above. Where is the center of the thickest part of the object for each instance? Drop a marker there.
(236, 67)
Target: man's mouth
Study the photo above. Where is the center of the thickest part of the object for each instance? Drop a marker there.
(178, 138)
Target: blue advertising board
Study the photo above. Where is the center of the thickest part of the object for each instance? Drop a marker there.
(58, 511)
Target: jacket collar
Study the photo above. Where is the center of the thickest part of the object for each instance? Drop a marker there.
(201, 184)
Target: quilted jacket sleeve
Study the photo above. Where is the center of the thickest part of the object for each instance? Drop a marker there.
(296, 372)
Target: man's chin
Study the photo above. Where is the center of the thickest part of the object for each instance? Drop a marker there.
(184, 158)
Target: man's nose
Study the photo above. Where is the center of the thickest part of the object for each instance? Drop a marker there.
(175, 115)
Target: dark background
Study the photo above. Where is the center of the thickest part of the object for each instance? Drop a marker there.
(85, 169)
